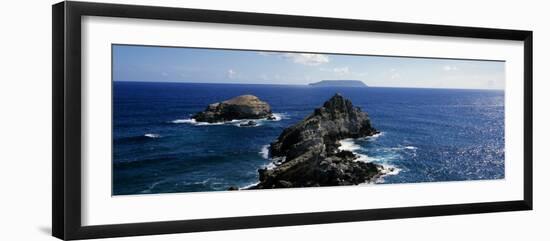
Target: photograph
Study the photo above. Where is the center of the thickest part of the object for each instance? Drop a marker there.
(204, 119)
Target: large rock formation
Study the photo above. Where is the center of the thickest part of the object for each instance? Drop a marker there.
(240, 107)
(309, 154)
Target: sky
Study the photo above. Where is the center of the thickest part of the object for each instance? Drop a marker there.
(200, 65)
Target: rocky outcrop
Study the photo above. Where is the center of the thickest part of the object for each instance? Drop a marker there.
(308, 152)
(240, 107)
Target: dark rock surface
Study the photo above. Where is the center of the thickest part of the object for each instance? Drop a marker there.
(240, 107)
(309, 149)
(233, 188)
(248, 124)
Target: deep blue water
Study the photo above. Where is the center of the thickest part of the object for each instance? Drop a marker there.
(428, 134)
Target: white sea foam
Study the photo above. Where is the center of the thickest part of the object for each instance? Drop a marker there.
(362, 158)
(244, 123)
(376, 135)
(387, 170)
(402, 148)
(373, 137)
(279, 116)
(390, 170)
(197, 123)
(274, 163)
(348, 145)
(259, 122)
(270, 166)
(236, 122)
(185, 121)
(265, 151)
(389, 152)
(152, 135)
(384, 170)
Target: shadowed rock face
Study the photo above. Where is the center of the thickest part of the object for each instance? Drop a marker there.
(240, 107)
(310, 149)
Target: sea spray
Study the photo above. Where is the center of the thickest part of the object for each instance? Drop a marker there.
(385, 169)
(264, 152)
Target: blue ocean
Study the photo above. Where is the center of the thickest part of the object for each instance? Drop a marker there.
(427, 135)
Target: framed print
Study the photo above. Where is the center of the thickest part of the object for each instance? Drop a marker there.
(169, 120)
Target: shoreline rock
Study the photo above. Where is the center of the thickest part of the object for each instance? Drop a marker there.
(240, 107)
(309, 149)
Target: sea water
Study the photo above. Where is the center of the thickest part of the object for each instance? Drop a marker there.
(427, 135)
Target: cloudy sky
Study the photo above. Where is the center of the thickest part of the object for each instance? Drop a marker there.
(166, 64)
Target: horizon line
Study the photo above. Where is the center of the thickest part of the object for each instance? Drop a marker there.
(235, 83)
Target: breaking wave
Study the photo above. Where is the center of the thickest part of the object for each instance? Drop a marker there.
(348, 145)
(237, 122)
(152, 135)
(265, 152)
(386, 169)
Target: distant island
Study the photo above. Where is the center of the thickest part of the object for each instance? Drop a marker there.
(338, 83)
(240, 107)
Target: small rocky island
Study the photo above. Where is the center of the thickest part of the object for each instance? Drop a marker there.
(338, 83)
(308, 153)
(240, 107)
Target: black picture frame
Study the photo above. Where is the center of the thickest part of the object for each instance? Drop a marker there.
(66, 128)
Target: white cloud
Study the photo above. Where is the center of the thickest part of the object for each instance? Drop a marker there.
(342, 70)
(266, 53)
(308, 59)
(449, 68)
(300, 58)
(231, 74)
(264, 77)
(394, 74)
(338, 70)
